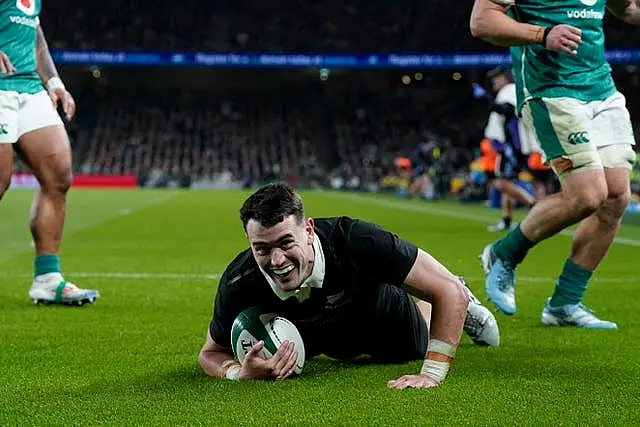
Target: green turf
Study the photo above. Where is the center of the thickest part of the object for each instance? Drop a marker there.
(131, 358)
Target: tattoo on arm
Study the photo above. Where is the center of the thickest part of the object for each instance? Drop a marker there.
(46, 67)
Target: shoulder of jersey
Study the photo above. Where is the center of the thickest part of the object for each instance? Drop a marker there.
(243, 265)
(505, 2)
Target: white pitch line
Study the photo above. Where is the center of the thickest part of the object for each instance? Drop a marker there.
(216, 276)
(400, 205)
(123, 275)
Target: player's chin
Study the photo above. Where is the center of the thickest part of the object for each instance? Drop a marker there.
(290, 282)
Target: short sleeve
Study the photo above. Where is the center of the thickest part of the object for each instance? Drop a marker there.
(227, 306)
(504, 2)
(380, 254)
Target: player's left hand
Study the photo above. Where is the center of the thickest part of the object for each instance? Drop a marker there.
(63, 96)
(413, 381)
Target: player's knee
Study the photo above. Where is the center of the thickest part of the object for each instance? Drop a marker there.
(588, 200)
(58, 183)
(500, 184)
(616, 204)
(64, 181)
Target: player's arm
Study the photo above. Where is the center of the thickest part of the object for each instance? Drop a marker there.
(46, 68)
(50, 78)
(217, 360)
(626, 10)
(431, 281)
(490, 22)
(216, 357)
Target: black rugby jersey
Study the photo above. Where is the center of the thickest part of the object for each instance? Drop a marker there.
(358, 254)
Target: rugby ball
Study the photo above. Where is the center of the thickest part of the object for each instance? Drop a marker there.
(253, 325)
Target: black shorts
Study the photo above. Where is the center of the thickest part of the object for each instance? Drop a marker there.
(508, 166)
(384, 323)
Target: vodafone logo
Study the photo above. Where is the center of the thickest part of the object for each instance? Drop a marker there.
(588, 2)
(28, 7)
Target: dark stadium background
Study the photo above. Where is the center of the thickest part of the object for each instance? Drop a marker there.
(230, 127)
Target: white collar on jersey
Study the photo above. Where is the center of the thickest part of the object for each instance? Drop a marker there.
(315, 280)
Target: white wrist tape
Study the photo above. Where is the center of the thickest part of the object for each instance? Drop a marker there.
(233, 373)
(54, 83)
(434, 369)
(437, 346)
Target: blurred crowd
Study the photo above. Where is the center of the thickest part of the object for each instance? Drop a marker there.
(343, 132)
(348, 132)
(290, 25)
(190, 137)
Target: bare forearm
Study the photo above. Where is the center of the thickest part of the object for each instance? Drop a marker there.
(431, 281)
(46, 68)
(489, 22)
(448, 312)
(211, 362)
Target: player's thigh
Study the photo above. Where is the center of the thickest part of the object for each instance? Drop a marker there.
(6, 166)
(43, 142)
(565, 130)
(9, 111)
(9, 107)
(618, 180)
(615, 140)
(48, 153)
(612, 123)
(397, 328)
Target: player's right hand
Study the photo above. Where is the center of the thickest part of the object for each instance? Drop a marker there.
(280, 366)
(564, 38)
(6, 67)
(413, 381)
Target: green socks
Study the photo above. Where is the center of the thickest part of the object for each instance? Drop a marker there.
(47, 263)
(571, 285)
(513, 247)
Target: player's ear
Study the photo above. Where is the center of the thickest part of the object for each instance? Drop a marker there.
(309, 229)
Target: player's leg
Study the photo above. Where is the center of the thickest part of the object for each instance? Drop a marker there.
(516, 192)
(591, 241)
(595, 234)
(562, 127)
(404, 324)
(9, 105)
(395, 324)
(6, 166)
(417, 180)
(507, 169)
(45, 148)
(506, 209)
(501, 169)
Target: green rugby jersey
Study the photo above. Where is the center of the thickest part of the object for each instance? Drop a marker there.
(541, 73)
(18, 24)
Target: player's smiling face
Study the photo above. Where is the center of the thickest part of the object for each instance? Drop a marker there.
(284, 251)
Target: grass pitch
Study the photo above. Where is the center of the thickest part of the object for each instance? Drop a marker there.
(156, 256)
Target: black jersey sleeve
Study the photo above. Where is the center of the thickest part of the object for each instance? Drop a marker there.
(232, 297)
(380, 254)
